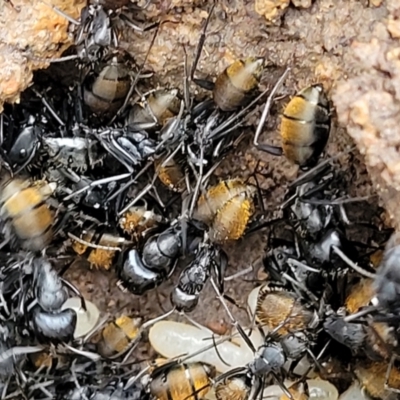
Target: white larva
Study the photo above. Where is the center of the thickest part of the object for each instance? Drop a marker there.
(274, 392)
(86, 320)
(322, 390)
(354, 392)
(318, 390)
(252, 304)
(173, 339)
(252, 301)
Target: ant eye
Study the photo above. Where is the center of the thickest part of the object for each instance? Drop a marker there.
(279, 256)
(22, 153)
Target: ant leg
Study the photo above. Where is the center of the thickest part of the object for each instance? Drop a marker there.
(76, 291)
(19, 350)
(96, 246)
(184, 223)
(88, 354)
(61, 13)
(295, 263)
(220, 264)
(343, 215)
(47, 105)
(316, 361)
(199, 180)
(129, 21)
(76, 382)
(168, 130)
(3, 302)
(145, 190)
(95, 329)
(118, 151)
(297, 284)
(135, 342)
(258, 225)
(209, 173)
(186, 91)
(219, 132)
(338, 202)
(1, 129)
(232, 318)
(239, 274)
(133, 85)
(282, 386)
(129, 183)
(320, 168)
(196, 324)
(4, 243)
(365, 311)
(16, 8)
(388, 372)
(170, 157)
(257, 389)
(42, 387)
(5, 161)
(353, 265)
(270, 149)
(214, 345)
(259, 194)
(131, 381)
(207, 85)
(187, 182)
(157, 197)
(113, 152)
(99, 182)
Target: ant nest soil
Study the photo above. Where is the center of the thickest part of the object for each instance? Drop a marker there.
(30, 32)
